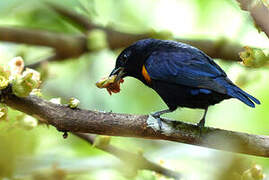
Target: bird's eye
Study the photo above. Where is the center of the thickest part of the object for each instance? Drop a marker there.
(124, 58)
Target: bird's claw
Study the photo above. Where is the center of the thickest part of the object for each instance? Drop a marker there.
(158, 119)
(159, 123)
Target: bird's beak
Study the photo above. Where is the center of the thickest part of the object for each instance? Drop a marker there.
(119, 72)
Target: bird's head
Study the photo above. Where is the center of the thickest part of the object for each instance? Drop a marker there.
(131, 60)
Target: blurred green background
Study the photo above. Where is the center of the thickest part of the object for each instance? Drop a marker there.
(42, 153)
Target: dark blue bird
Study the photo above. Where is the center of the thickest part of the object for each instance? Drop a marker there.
(182, 75)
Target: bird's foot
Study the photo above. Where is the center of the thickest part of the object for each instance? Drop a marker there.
(157, 115)
(158, 119)
(201, 125)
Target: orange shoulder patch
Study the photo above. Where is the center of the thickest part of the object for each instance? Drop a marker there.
(145, 74)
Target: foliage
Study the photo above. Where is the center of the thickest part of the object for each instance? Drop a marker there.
(254, 57)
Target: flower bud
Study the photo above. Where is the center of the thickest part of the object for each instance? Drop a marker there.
(257, 172)
(23, 85)
(253, 57)
(101, 141)
(4, 77)
(73, 103)
(3, 112)
(16, 66)
(3, 82)
(28, 122)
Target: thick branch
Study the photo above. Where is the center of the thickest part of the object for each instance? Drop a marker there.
(66, 46)
(259, 13)
(134, 160)
(221, 49)
(142, 126)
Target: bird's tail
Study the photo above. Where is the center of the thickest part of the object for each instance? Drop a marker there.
(236, 92)
(243, 96)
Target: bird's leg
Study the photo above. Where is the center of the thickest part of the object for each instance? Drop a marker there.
(157, 115)
(201, 123)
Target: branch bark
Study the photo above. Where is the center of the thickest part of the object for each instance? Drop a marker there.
(141, 126)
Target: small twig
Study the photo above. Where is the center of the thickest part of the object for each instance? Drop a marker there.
(42, 61)
(259, 13)
(73, 16)
(134, 160)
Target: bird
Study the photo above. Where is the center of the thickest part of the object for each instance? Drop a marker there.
(182, 75)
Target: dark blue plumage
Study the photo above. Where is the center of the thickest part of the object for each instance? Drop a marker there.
(182, 75)
(188, 66)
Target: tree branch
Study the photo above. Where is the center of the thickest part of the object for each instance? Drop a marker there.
(66, 46)
(134, 160)
(216, 49)
(142, 126)
(220, 49)
(259, 13)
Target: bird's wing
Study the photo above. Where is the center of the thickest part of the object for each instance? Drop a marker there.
(193, 69)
